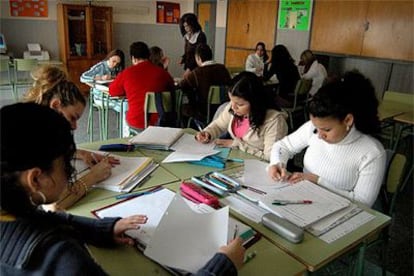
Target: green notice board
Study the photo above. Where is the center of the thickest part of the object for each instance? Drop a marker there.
(294, 14)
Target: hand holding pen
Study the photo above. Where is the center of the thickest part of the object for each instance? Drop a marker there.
(203, 137)
(278, 172)
(234, 251)
(96, 158)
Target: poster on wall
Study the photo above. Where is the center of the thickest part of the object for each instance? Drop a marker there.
(168, 12)
(30, 8)
(295, 14)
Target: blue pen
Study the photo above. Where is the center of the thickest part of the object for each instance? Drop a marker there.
(136, 194)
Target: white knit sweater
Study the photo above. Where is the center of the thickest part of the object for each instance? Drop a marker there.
(353, 167)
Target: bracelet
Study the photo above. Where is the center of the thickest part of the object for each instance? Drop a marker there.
(83, 184)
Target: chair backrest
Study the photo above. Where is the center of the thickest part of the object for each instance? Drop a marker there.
(162, 103)
(393, 178)
(216, 96)
(301, 92)
(5, 67)
(24, 65)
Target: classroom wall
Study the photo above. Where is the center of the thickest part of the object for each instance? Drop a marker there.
(135, 20)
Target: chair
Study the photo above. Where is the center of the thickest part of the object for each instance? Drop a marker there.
(165, 105)
(393, 179)
(22, 73)
(6, 82)
(299, 102)
(103, 102)
(217, 95)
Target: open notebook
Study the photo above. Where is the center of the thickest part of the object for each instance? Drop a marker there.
(124, 177)
(178, 234)
(155, 137)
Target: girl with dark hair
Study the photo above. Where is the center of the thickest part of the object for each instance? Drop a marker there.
(35, 242)
(193, 36)
(252, 122)
(107, 69)
(342, 154)
(65, 98)
(256, 62)
(283, 66)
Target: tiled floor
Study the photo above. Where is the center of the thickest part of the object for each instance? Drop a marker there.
(400, 250)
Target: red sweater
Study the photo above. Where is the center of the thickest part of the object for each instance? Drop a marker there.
(134, 82)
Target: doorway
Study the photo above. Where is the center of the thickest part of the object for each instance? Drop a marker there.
(206, 13)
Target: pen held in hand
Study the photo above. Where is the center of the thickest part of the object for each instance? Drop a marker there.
(236, 231)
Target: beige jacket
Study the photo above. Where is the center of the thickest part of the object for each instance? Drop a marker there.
(258, 142)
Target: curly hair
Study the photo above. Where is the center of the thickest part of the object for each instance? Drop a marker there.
(45, 78)
(353, 94)
(191, 20)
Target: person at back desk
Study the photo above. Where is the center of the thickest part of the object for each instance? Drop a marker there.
(135, 81)
(196, 84)
(283, 65)
(252, 121)
(45, 243)
(341, 153)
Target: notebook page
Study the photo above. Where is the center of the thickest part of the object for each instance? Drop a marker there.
(323, 204)
(154, 135)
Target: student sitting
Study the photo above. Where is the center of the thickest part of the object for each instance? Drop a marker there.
(311, 69)
(106, 69)
(341, 153)
(196, 84)
(250, 119)
(157, 57)
(66, 99)
(35, 242)
(256, 62)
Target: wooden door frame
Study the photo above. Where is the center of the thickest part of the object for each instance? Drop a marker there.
(212, 35)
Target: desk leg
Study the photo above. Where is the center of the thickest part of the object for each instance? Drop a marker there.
(90, 116)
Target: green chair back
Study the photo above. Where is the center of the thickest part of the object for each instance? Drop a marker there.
(151, 107)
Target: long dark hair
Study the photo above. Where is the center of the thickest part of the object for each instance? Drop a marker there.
(265, 55)
(249, 87)
(191, 20)
(51, 139)
(281, 57)
(353, 94)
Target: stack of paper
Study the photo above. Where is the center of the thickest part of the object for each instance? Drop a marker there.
(124, 177)
(155, 137)
(178, 234)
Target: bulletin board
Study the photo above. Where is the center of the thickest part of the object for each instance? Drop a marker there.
(295, 14)
(30, 8)
(168, 12)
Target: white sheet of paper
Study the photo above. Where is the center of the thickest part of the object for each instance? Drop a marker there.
(185, 239)
(153, 205)
(178, 156)
(187, 143)
(323, 204)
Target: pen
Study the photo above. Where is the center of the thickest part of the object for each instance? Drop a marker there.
(238, 160)
(198, 125)
(249, 257)
(254, 190)
(286, 202)
(136, 194)
(236, 230)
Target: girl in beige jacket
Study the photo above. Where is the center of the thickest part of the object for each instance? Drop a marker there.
(250, 119)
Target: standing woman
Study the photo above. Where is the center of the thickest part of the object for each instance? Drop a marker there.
(107, 69)
(283, 66)
(311, 69)
(193, 36)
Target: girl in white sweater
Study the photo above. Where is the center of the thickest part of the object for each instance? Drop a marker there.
(341, 154)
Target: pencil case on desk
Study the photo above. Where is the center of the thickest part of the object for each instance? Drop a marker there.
(117, 147)
(197, 194)
(223, 181)
(203, 182)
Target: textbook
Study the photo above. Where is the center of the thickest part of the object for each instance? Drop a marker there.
(178, 234)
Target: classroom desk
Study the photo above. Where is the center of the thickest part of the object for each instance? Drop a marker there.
(181, 170)
(313, 252)
(390, 109)
(124, 260)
